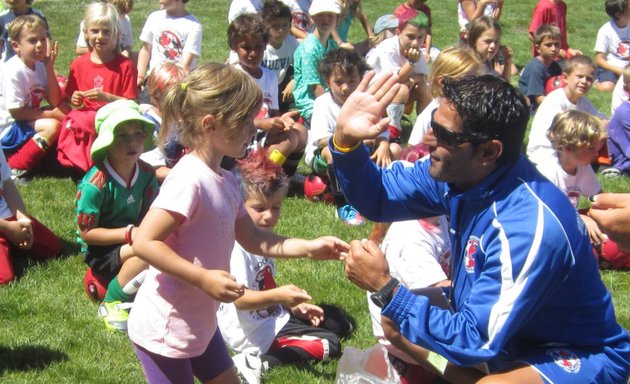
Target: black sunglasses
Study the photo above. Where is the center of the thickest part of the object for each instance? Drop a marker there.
(448, 138)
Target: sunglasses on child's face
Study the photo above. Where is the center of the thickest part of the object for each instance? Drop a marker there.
(447, 138)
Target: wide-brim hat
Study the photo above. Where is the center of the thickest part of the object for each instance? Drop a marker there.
(321, 6)
(111, 116)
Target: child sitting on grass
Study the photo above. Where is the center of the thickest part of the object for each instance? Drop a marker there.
(20, 234)
(534, 77)
(15, 9)
(342, 70)
(283, 138)
(273, 325)
(576, 137)
(126, 36)
(619, 135)
(28, 130)
(112, 199)
(612, 50)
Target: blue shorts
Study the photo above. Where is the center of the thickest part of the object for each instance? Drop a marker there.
(606, 75)
(211, 363)
(18, 133)
(560, 365)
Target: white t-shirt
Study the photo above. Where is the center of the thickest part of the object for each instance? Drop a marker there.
(126, 36)
(251, 331)
(279, 60)
(387, 57)
(583, 183)
(239, 7)
(170, 37)
(418, 254)
(268, 83)
(21, 87)
(539, 147)
(299, 14)
(614, 43)
(423, 123)
(619, 95)
(171, 317)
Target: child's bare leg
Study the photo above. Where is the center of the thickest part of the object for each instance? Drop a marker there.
(522, 375)
(130, 268)
(227, 377)
(395, 149)
(48, 129)
(420, 94)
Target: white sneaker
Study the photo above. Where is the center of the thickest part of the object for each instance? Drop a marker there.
(249, 368)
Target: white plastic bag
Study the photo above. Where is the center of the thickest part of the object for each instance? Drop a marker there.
(366, 366)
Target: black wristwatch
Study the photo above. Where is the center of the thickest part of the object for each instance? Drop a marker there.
(383, 296)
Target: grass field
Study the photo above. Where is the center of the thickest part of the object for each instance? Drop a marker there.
(48, 327)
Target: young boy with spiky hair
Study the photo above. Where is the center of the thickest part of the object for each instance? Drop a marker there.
(273, 325)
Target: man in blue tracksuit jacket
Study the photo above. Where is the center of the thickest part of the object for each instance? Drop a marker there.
(529, 305)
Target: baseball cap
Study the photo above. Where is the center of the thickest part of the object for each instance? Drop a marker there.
(111, 116)
(385, 22)
(321, 6)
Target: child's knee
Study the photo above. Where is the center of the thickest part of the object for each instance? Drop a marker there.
(403, 94)
(48, 128)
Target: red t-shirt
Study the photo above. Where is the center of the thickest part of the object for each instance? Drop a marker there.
(118, 77)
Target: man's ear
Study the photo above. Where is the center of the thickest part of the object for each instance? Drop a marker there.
(489, 152)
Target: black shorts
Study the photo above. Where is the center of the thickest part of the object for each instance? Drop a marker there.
(104, 260)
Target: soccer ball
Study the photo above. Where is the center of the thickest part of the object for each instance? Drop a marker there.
(554, 83)
(613, 257)
(95, 287)
(316, 188)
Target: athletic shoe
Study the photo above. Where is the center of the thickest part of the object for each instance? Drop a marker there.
(611, 172)
(115, 315)
(349, 215)
(19, 176)
(249, 368)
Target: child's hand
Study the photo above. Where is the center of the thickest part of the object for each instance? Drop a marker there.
(382, 156)
(287, 92)
(96, 94)
(346, 45)
(272, 125)
(413, 55)
(290, 295)
(20, 232)
(221, 286)
(507, 53)
(309, 312)
(77, 98)
(596, 235)
(49, 61)
(327, 248)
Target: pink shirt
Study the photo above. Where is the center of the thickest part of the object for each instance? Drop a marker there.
(171, 317)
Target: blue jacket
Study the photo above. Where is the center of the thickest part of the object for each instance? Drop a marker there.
(524, 274)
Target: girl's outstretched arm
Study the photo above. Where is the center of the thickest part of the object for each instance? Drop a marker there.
(149, 245)
(265, 243)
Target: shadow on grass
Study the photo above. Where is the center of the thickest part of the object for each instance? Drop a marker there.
(21, 263)
(28, 358)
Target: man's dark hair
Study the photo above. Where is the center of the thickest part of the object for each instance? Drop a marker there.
(275, 9)
(345, 59)
(491, 108)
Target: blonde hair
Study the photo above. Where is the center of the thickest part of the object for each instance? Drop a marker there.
(227, 93)
(28, 22)
(454, 63)
(575, 129)
(104, 14)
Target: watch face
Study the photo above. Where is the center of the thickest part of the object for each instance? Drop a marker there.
(377, 300)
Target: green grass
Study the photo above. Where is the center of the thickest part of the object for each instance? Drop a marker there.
(48, 327)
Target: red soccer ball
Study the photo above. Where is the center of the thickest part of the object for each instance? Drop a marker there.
(316, 188)
(612, 256)
(95, 287)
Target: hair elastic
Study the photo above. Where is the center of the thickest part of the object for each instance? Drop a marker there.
(183, 86)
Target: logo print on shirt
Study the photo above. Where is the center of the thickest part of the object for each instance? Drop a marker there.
(131, 200)
(170, 46)
(567, 360)
(623, 50)
(37, 95)
(98, 82)
(469, 254)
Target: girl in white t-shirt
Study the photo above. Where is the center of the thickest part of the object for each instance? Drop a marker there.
(189, 231)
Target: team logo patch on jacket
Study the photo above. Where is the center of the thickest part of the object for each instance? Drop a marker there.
(469, 254)
(567, 360)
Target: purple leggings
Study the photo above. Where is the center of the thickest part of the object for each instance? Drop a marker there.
(212, 362)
